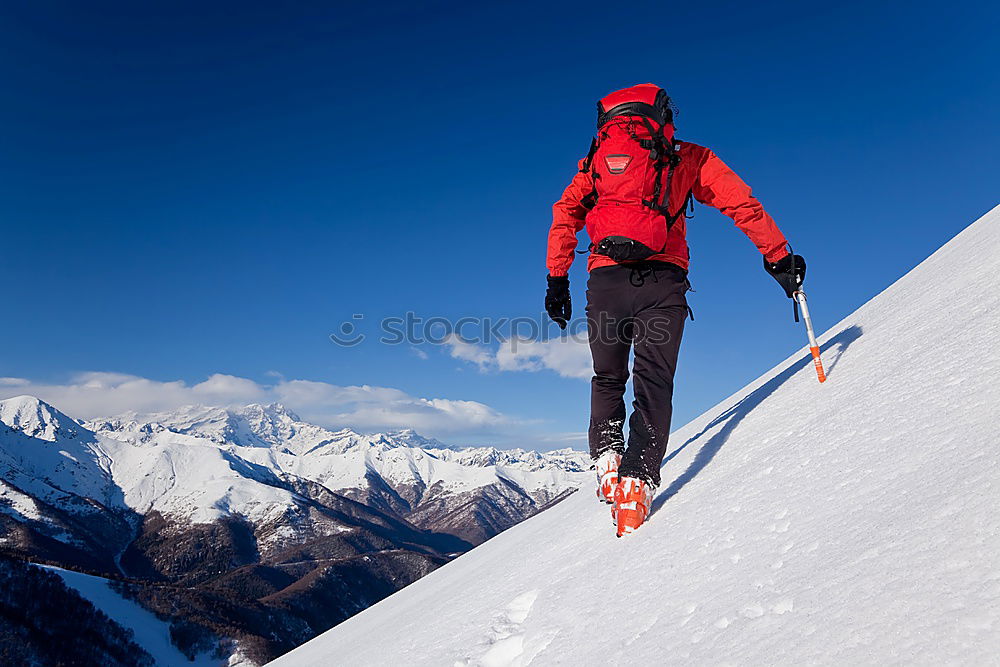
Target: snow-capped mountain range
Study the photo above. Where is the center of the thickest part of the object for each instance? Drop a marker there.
(202, 463)
(228, 498)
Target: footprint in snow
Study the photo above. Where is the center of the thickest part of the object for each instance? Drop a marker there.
(506, 640)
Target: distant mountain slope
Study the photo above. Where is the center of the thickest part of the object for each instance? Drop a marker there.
(854, 522)
(147, 631)
(44, 622)
(254, 513)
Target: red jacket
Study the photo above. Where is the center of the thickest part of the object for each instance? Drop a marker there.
(703, 174)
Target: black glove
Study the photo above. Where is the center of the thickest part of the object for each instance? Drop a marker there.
(789, 271)
(557, 302)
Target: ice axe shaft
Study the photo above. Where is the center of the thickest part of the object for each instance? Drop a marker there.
(800, 298)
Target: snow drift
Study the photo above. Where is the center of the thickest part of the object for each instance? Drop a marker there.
(846, 523)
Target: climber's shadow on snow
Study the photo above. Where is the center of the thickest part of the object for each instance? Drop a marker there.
(734, 415)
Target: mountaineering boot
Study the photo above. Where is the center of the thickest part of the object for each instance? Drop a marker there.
(633, 498)
(607, 475)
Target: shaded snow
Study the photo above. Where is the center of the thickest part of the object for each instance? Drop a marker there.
(15, 503)
(855, 522)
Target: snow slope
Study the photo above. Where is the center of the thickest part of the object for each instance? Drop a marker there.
(150, 632)
(855, 522)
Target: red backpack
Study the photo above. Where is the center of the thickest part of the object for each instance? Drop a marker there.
(631, 161)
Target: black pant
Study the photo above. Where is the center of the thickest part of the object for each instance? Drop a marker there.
(641, 306)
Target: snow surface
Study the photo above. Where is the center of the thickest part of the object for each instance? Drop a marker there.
(150, 632)
(854, 522)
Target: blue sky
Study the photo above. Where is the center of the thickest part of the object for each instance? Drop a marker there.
(207, 190)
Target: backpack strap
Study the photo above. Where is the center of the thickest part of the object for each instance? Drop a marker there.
(664, 206)
(590, 156)
(682, 211)
(589, 200)
(655, 141)
(660, 201)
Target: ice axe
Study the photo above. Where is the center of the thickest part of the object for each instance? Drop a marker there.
(800, 300)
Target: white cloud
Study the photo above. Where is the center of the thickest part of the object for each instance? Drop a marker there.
(229, 388)
(569, 356)
(466, 351)
(366, 408)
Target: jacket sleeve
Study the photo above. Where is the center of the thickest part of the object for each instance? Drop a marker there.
(717, 185)
(568, 218)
